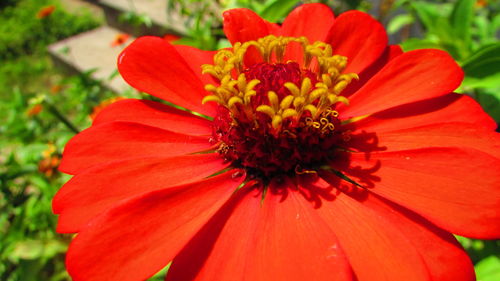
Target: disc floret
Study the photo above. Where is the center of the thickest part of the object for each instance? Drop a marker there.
(276, 116)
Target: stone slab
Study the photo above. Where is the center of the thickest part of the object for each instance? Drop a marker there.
(83, 7)
(92, 50)
(163, 20)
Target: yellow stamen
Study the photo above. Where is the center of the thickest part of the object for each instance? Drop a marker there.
(235, 92)
(300, 171)
(266, 109)
(286, 102)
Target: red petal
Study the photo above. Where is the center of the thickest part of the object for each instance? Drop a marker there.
(310, 20)
(241, 25)
(449, 108)
(124, 140)
(136, 239)
(152, 65)
(359, 37)
(435, 135)
(457, 189)
(279, 239)
(273, 28)
(154, 114)
(195, 58)
(98, 189)
(386, 242)
(295, 243)
(389, 54)
(413, 76)
(221, 250)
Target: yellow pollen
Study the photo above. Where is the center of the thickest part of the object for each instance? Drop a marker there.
(235, 92)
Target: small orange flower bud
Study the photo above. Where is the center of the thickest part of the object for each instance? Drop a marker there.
(55, 89)
(45, 12)
(34, 110)
(103, 105)
(481, 3)
(51, 159)
(120, 39)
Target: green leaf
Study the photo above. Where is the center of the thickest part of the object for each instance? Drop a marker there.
(491, 81)
(223, 43)
(490, 101)
(33, 249)
(495, 23)
(399, 22)
(481, 29)
(461, 22)
(484, 62)
(276, 10)
(435, 19)
(353, 4)
(414, 43)
(399, 4)
(429, 14)
(488, 269)
(160, 276)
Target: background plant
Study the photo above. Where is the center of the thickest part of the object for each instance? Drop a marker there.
(468, 30)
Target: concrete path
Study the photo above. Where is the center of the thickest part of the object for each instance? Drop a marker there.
(93, 50)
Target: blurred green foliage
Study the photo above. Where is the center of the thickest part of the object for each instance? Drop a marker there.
(29, 247)
(488, 269)
(41, 107)
(30, 133)
(468, 30)
(205, 21)
(24, 38)
(33, 34)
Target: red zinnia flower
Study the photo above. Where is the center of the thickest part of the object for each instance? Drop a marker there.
(302, 171)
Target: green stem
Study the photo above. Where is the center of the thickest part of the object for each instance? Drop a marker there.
(52, 109)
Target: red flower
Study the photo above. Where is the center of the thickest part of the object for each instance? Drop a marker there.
(284, 181)
(50, 161)
(120, 39)
(34, 110)
(55, 89)
(45, 12)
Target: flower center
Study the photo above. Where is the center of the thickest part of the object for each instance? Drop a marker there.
(276, 117)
